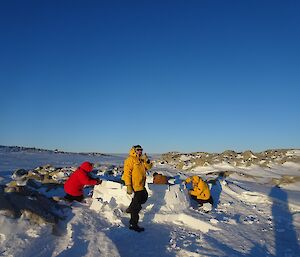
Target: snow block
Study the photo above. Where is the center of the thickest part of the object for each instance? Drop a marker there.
(168, 198)
(112, 193)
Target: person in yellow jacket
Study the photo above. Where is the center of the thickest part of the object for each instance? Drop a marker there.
(199, 190)
(134, 176)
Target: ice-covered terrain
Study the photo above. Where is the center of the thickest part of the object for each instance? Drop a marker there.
(256, 213)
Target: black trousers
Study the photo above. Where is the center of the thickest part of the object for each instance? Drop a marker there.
(72, 198)
(139, 198)
(201, 202)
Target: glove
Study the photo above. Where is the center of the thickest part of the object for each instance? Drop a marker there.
(129, 189)
(99, 181)
(145, 158)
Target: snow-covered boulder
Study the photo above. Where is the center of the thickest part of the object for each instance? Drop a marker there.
(30, 205)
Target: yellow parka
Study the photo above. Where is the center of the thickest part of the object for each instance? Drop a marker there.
(200, 188)
(135, 171)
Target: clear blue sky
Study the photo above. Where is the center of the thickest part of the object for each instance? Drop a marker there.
(169, 75)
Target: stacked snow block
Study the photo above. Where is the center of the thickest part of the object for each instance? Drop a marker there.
(165, 198)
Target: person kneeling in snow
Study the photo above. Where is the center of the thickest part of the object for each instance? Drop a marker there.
(78, 179)
(134, 176)
(199, 190)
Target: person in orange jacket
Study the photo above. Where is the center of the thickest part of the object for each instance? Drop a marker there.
(78, 179)
(199, 190)
(134, 176)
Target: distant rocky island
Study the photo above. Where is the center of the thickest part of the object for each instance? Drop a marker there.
(39, 150)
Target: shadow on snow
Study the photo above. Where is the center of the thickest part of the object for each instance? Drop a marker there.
(286, 243)
(153, 241)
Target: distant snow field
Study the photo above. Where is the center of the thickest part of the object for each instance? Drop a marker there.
(256, 212)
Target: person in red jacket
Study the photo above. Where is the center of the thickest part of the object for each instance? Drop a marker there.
(78, 179)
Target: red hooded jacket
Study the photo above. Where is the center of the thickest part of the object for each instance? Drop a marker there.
(79, 178)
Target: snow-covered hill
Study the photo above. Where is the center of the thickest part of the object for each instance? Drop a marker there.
(252, 216)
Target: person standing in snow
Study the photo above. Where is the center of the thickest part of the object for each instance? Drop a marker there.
(134, 176)
(78, 179)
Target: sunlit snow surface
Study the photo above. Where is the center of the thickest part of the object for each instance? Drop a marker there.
(250, 217)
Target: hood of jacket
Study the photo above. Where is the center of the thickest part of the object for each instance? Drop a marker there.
(133, 153)
(86, 166)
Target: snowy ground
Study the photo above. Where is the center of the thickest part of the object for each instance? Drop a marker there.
(251, 217)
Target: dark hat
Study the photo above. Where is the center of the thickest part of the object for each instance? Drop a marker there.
(137, 147)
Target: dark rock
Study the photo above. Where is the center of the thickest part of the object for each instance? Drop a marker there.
(30, 204)
(20, 173)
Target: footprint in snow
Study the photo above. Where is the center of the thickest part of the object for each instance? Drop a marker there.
(251, 219)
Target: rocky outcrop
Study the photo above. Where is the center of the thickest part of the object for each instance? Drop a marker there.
(28, 194)
(188, 161)
(21, 197)
(30, 204)
(42, 175)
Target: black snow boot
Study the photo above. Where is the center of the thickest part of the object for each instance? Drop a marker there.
(136, 228)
